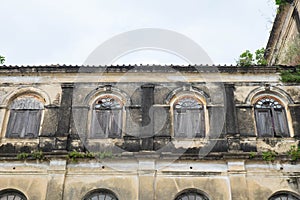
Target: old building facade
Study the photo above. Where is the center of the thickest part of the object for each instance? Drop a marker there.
(154, 132)
(148, 132)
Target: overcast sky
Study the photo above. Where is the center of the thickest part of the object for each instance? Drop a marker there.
(67, 31)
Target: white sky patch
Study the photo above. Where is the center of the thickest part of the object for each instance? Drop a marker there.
(150, 57)
(67, 31)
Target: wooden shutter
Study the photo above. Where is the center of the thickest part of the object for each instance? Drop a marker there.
(24, 123)
(193, 123)
(264, 123)
(198, 122)
(99, 124)
(33, 123)
(189, 123)
(280, 123)
(115, 123)
(107, 123)
(16, 124)
(180, 120)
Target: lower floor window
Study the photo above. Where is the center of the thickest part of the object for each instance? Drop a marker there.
(12, 195)
(99, 195)
(284, 196)
(191, 196)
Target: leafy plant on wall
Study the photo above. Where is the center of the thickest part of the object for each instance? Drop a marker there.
(282, 2)
(2, 59)
(290, 76)
(247, 58)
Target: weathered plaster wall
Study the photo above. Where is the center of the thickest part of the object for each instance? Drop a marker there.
(150, 179)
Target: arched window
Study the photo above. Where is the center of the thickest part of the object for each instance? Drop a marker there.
(12, 195)
(24, 117)
(189, 117)
(101, 194)
(270, 118)
(107, 117)
(284, 196)
(191, 195)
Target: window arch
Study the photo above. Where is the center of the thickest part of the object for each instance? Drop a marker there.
(191, 195)
(107, 117)
(285, 196)
(12, 195)
(188, 117)
(100, 194)
(25, 114)
(270, 117)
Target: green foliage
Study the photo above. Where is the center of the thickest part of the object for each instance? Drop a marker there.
(294, 152)
(35, 155)
(282, 2)
(259, 57)
(247, 59)
(268, 155)
(252, 155)
(90, 155)
(74, 155)
(2, 59)
(105, 154)
(22, 156)
(38, 155)
(290, 76)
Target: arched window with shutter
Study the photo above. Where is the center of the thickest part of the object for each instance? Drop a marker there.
(107, 117)
(189, 117)
(25, 114)
(270, 117)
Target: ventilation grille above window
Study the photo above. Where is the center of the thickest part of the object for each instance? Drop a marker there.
(108, 103)
(268, 103)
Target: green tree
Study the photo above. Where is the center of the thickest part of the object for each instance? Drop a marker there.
(259, 57)
(2, 59)
(282, 2)
(245, 59)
